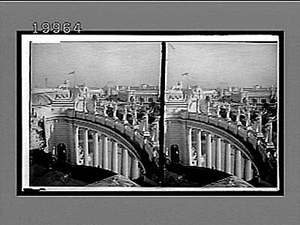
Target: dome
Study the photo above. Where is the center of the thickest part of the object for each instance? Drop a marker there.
(40, 99)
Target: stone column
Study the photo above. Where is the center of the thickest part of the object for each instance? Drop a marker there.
(129, 96)
(218, 111)
(86, 147)
(208, 151)
(189, 140)
(115, 111)
(218, 154)
(100, 147)
(76, 144)
(228, 113)
(146, 126)
(259, 127)
(134, 122)
(269, 139)
(208, 109)
(125, 163)
(114, 156)
(125, 116)
(105, 152)
(157, 132)
(227, 157)
(238, 117)
(135, 169)
(96, 149)
(199, 147)
(248, 170)
(248, 121)
(197, 106)
(270, 130)
(238, 163)
(104, 110)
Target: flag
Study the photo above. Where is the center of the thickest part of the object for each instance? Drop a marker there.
(185, 74)
(73, 72)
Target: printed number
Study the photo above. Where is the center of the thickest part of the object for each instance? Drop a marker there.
(45, 27)
(77, 27)
(35, 27)
(67, 27)
(56, 27)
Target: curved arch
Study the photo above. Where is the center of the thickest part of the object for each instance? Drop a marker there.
(139, 153)
(61, 152)
(254, 155)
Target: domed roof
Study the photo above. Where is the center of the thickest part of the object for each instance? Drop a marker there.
(40, 99)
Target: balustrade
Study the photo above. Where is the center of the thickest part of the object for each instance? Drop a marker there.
(218, 155)
(236, 127)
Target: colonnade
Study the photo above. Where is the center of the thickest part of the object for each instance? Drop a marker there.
(208, 150)
(263, 133)
(93, 148)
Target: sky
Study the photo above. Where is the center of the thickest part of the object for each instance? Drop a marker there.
(96, 64)
(222, 64)
(207, 64)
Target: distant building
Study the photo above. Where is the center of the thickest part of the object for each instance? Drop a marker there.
(254, 95)
(99, 92)
(140, 94)
(212, 93)
(175, 99)
(196, 92)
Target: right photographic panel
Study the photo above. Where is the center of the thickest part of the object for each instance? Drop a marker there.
(223, 112)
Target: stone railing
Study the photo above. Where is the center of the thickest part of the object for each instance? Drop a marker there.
(245, 133)
(249, 134)
(125, 129)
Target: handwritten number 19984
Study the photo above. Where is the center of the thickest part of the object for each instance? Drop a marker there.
(56, 27)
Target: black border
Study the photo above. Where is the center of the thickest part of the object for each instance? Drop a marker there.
(38, 192)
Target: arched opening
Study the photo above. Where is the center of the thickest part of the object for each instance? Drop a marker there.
(174, 154)
(132, 99)
(61, 153)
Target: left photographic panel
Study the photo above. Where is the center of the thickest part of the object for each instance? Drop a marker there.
(90, 111)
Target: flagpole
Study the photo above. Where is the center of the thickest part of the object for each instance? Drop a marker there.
(161, 121)
(74, 81)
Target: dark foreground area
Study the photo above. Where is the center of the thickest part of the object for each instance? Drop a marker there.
(45, 172)
(175, 176)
